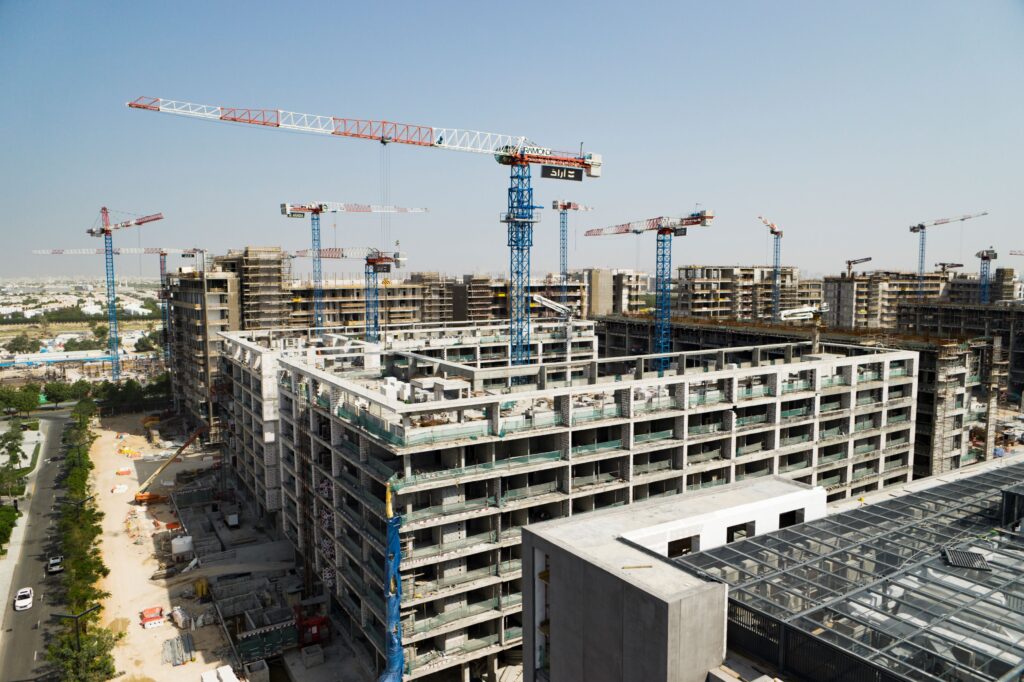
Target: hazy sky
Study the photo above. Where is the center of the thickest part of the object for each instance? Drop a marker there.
(844, 122)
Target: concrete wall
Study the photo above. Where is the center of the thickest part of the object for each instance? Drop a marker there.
(605, 629)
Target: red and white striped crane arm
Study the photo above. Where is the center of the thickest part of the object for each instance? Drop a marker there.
(653, 224)
(118, 251)
(454, 139)
(772, 227)
(296, 210)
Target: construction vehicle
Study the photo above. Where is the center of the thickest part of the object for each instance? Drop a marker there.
(987, 256)
(516, 152)
(144, 497)
(563, 208)
(375, 262)
(808, 312)
(776, 234)
(921, 230)
(855, 261)
(666, 228)
(314, 210)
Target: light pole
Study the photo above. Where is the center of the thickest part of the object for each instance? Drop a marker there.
(78, 634)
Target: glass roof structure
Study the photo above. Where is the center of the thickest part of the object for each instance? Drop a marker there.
(875, 584)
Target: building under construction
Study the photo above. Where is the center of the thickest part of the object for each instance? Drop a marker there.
(739, 292)
(474, 449)
(953, 396)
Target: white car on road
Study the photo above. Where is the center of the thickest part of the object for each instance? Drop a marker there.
(23, 599)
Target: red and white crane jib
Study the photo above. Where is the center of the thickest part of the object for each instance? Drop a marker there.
(367, 253)
(300, 210)
(677, 225)
(100, 231)
(772, 227)
(505, 148)
(117, 251)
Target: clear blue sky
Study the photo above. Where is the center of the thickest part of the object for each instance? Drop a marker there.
(844, 122)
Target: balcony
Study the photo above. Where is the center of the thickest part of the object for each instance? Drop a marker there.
(835, 433)
(704, 429)
(897, 444)
(652, 467)
(542, 420)
(865, 377)
(707, 398)
(752, 392)
(751, 421)
(898, 419)
(794, 440)
(794, 466)
(830, 458)
(509, 464)
(594, 448)
(446, 432)
(654, 405)
(898, 372)
(714, 483)
(598, 479)
(413, 626)
(441, 510)
(705, 456)
(585, 415)
(431, 550)
(749, 448)
(517, 494)
(796, 414)
(653, 436)
(467, 647)
(863, 474)
(830, 382)
(756, 474)
(794, 386)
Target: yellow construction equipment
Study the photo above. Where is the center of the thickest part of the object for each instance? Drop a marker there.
(143, 497)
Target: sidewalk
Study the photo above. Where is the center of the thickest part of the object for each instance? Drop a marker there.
(10, 560)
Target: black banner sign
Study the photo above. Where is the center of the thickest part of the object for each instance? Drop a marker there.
(562, 173)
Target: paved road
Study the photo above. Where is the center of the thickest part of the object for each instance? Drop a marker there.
(26, 633)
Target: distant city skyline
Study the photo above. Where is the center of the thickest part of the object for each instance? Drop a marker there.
(843, 122)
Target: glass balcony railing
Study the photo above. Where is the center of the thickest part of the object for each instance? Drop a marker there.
(898, 372)
(701, 429)
(831, 407)
(653, 436)
(793, 440)
(864, 426)
(705, 456)
(750, 448)
(654, 404)
(412, 626)
(864, 377)
(864, 449)
(745, 393)
(833, 457)
(829, 382)
(713, 483)
(830, 434)
(592, 448)
(584, 415)
(651, 467)
(793, 386)
(793, 466)
(797, 412)
(708, 398)
(541, 420)
(595, 479)
(447, 432)
(864, 473)
(898, 419)
(530, 491)
(506, 464)
(448, 509)
(751, 420)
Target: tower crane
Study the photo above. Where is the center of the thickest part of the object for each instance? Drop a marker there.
(776, 233)
(314, 210)
(666, 228)
(945, 267)
(987, 256)
(921, 230)
(1015, 252)
(164, 293)
(563, 207)
(107, 232)
(517, 152)
(855, 261)
(376, 262)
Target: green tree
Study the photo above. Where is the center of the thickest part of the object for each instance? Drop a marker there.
(144, 345)
(57, 392)
(22, 344)
(94, 662)
(81, 389)
(26, 398)
(101, 331)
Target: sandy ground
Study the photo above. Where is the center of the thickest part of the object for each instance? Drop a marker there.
(127, 546)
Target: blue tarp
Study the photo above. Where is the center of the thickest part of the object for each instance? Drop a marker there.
(393, 596)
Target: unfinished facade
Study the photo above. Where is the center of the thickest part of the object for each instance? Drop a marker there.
(952, 397)
(474, 450)
(738, 292)
(869, 300)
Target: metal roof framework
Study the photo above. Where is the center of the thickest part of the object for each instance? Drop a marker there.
(874, 582)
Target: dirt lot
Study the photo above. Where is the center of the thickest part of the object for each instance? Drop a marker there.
(127, 546)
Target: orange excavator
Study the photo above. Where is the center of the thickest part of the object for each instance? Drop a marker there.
(143, 497)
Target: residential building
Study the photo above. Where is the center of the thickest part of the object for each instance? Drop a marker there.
(868, 300)
(400, 302)
(738, 292)
(965, 288)
(613, 292)
(481, 297)
(264, 274)
(953, 400)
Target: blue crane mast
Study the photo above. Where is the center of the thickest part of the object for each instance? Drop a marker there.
(563, 208)
(776, 234)
(921, 229)
(107, 233)
(666, 228)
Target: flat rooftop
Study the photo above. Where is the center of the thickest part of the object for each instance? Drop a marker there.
(614, 538)
(873, 589)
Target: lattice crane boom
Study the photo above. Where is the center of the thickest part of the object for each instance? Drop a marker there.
(921, 230)
(776, 234)
(517, 152)
(855, 261)
(563, 208)
(666, 228)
